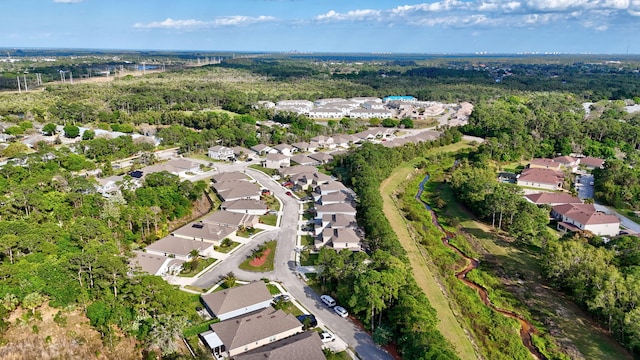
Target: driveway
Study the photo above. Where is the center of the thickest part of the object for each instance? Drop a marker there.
(285, 268)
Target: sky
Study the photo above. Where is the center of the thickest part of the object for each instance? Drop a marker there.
(371, 26)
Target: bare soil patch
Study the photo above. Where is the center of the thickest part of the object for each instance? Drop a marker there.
(259, 261)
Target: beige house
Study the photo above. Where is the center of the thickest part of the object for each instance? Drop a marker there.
(541, 178)
(305, 346)
(579, 217)
(238, 301)
(234, 190)
(276, 161)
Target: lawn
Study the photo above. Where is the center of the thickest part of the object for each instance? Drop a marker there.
(273, 290)
(448, 324)
(269, 219)
(248, 232)
(225, 249)
(307, 259)
(271, 201)
(338, 356)
(199, 328)
(307, 240)
(265, 170)
(202, 264)
(268, 264)
(289, 308)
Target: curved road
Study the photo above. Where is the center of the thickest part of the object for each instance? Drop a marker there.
(285, 269)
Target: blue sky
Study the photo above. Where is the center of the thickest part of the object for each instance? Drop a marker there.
(446, 26)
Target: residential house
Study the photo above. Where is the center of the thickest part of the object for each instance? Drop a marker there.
(285, 149)
(567, 162)
(373, 105)
(544, 164)
(336, 221)
(221, 153)
(321, 157)
(262, 149)
(155, 264)
(231, 219)
(335, 198)
(245, 206)
(304, 180)
(230, 176)
(298, 169)
(276, 161)
(238, 301)
(305, 146)
(240, 152)
(553, 199)
(592, 162)
(233, 337)
(180, 167)
(110, 185)
(208, 232)
(331, 187)
(326, 113)
(345, 238)
(332, 209)
(301, 159)
(324, 142)
(306, 345)
(581, 217)
(343, 141)
(541, 178)
(234, 190)
(180, 248)
(370, 113)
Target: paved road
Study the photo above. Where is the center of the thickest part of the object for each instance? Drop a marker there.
(285, 268)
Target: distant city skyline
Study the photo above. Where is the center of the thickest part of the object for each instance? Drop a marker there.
(372, 26)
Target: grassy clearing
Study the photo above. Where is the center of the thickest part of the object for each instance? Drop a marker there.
(265, 170)
(269, 219)
(267, 266)
(224, 248)
(519, 263)
(448, 325)
(202, 264)
(195, 288)
(289, 308)
(273, 290)
(199, 328)
(271, 201)
(248, 232)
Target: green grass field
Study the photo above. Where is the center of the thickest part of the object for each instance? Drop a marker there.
(270, 219)
(448, 325)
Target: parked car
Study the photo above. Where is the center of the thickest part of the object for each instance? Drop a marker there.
(327, 337)
(308, 320)
(328, 300)
(341, 311)
(249, 159)
(282, 297)
(289, 193)
(592, 183)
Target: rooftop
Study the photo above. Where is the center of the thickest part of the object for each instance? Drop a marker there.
(235, 298)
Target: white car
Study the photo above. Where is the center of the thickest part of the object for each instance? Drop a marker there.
(326, 337)
(341, 311)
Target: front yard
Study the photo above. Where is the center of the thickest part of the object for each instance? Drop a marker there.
(202, 263)
(269, 219)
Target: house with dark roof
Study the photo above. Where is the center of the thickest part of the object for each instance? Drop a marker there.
(250, 331)
(238, 301)
(306, 346)
(546, 198)
(581, 217)
(541, 178)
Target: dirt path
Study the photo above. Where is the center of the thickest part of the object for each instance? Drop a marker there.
(448, 324)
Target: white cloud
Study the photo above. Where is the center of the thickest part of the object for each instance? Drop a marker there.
(67, 1)
(193, 24)
(492, 13)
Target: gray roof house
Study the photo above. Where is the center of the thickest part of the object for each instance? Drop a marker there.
(306, 345)
(230, 219)
(251, 331)
(238, 301)
(276, 161)
(230, 176)
(301, 159)
(331, 209)
(179, 247)
(245, 206)
(155, 264)
(207, 232)
(234, 190)
(323, 158)
(220, 152)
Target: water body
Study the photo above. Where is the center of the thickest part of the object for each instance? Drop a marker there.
(526, 328)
